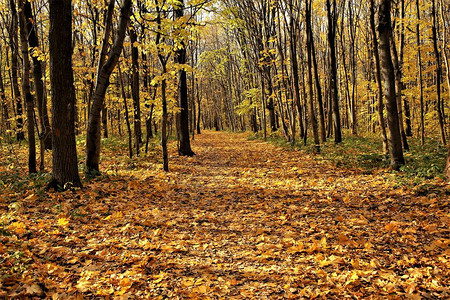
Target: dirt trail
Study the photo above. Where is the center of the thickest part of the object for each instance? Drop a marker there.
(241, 219)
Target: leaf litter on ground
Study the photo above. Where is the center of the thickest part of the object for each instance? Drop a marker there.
(241, 219)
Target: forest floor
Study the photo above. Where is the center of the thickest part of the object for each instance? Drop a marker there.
(243, 219)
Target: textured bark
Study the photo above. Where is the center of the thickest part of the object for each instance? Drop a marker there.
(407, 109)
(312, 113)
(65, 164)
(376, 55)
(332, 23)
(184, 148)
(26, 90)
(39, 85)
(437, 54)
(295, 76)
(14, 45)
(323, 131)
(387, 68)
(398, 93)
(105, 69)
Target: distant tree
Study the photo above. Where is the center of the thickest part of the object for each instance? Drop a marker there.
(447, 168)
(65, 164)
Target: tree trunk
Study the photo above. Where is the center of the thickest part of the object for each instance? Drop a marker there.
(14, 45)
(127, 115)
(38, 74)
(322, 128)
(65, 164)
(332, 23)
(438, 73)
(4, 105)
(105, 121)
(105, 69)
(183, 101)
(419, 62)
(26, 90)
(387, 68)
(447, 169)
(135, 90)
(408, 128)
(398, 92)
(312, 113)
(376, 55)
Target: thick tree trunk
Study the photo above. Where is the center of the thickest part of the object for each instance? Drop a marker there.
(376, 55)
(332, 23)
(26, 90)
(387, 68)
(65, 164)
(93, 137)
(38, 74)
(183, 101)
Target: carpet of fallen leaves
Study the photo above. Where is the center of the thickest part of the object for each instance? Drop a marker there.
(241, 219)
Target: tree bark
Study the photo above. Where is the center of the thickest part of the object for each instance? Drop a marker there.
(14, 45)
(387, 68)
(332, 23)
(135, 90)
(312, 113)
(376, 55)
(38, 74)
(127, 115)
(322, 128)
(419, 62)
(398, 92)
(4, 105)
(26, 90)
(65, 163)
(93, 137)
(183, 101)
(438, 73)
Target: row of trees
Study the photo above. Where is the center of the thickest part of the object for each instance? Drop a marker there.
(99, 54)
(316, 68)
(307, 68)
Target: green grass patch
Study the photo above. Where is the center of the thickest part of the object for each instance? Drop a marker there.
(423, 162)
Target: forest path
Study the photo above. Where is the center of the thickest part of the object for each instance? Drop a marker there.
(241, 219)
